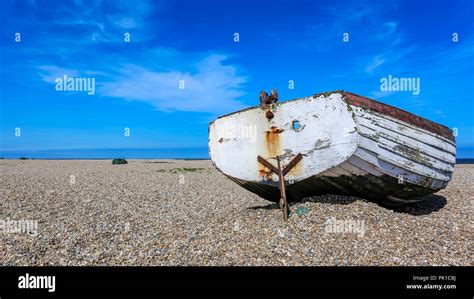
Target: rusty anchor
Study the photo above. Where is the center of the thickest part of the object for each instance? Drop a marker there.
(281, 172)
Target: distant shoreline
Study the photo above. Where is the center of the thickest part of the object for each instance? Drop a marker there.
(188, 153)
(106, 154)
(465, 161)
(458, 161)
(111, 158)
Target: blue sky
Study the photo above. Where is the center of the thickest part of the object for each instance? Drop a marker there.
(137, 82)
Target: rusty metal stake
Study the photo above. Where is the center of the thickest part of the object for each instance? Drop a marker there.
(283, 203)
(281, 178)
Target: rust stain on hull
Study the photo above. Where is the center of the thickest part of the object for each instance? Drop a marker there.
(265, 173)
(271, 150)
(272, 142)
(296, 169)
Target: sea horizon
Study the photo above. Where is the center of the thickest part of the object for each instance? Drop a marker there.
(201, 153)
(192, 153)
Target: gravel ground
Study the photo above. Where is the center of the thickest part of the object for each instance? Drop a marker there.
(149, 212)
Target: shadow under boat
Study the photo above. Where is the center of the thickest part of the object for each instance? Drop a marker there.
(428, 204)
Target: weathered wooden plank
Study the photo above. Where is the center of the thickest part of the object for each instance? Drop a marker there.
(406, 130)
(400, 115)
(369, 128)
(402, 162)
(391, 169)
(415, 155)
(364, 165)
(335, 172)
(353, 170)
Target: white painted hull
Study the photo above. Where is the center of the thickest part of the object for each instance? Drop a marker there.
(347, 148)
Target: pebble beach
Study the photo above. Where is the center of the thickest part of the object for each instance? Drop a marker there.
(184, 212)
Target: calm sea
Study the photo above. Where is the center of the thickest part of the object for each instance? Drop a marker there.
(162, 153)
(159, 153)
(465, 161)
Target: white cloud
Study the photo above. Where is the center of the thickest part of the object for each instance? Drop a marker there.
(377, 94)
(213, 87)
(376, 62)
(391, 57)
(391, 27)
(126, 23)
(105, 20)
(440, 113)
(49, 73)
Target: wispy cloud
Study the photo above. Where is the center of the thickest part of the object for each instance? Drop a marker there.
(440, 113)
(209, 84)
(100, 21)
(391, 27)
(376, 62)
(392, 53)
(213, 87)
(49, 73)
(377, 94)
(394, 58)
(326, 31)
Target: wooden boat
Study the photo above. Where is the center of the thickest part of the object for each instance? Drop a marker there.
(345, 144)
